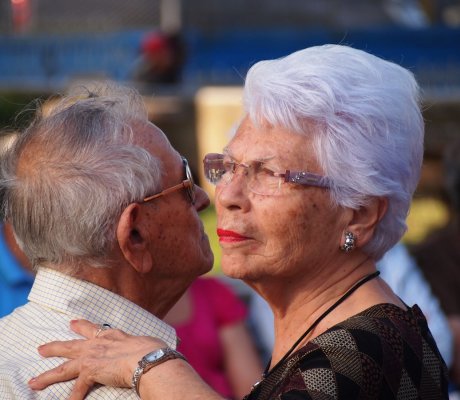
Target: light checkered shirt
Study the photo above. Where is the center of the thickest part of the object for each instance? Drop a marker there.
(54, 301)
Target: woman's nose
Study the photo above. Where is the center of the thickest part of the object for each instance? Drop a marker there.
(243, 168)
(234, 193)
(233, 175)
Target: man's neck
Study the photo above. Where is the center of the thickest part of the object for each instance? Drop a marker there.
(156, 298)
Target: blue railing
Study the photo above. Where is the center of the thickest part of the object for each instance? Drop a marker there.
(433, 53)
(50, 61)
(223, 58)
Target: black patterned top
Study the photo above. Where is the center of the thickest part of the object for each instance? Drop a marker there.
(383, 352)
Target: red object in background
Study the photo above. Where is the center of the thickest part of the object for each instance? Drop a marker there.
(162, 58)
(21, 15)
(154, 42)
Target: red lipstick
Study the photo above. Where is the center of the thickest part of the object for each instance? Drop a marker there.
(230, 236)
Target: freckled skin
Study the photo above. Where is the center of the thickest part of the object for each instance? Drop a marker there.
(180, 243)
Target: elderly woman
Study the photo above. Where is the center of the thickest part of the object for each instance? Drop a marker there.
(312, 190)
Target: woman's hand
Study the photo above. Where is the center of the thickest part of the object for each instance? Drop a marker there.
(109, 359)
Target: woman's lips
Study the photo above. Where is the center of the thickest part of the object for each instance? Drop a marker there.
(230, 236)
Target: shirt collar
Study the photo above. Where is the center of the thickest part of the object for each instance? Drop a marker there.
(84, 300)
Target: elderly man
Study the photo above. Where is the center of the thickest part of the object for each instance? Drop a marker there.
(107, 212)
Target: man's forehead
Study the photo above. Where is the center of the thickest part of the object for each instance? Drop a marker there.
(145, 129)
(153, 139)
(149, 136)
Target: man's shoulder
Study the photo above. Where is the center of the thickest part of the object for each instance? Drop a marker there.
(26, 328)
(20, 336)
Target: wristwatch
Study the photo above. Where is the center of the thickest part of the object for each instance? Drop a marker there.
(151, 359)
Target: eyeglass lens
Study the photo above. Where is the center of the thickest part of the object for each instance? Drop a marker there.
(188, 175)
(260, 180)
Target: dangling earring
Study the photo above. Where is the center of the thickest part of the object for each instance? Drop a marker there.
(350, 242)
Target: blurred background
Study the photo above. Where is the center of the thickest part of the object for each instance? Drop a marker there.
(189, 58)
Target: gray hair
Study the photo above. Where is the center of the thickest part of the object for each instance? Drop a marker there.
(70, 174)
(368, 135)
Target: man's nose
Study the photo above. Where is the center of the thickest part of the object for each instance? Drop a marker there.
(201, 199)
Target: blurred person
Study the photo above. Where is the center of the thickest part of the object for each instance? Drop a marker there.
(313, 189)
(439, 254)
(162, 58)
(107, 212)
(210, 321)
(16, 274)
(408, 13)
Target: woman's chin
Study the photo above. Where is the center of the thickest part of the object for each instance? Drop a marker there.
(234, 268)
(238, 270)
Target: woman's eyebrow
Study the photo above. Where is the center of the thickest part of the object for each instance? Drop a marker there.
(264, 159)
(227, 152)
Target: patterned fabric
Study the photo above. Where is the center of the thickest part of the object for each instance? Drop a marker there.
(54, 301)
(381, 353)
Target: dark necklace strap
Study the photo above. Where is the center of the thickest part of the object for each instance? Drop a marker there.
(347, 294)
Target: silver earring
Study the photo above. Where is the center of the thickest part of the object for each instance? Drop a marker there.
(350, 242)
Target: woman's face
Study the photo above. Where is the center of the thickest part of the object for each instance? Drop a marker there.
(286, 235)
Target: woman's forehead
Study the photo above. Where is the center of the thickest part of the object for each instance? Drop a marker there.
(252, 143)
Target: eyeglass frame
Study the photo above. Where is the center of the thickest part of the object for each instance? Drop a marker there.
(303, 178)
(188, 184)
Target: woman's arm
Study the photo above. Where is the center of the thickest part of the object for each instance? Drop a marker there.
(111, 358)
(175, 380)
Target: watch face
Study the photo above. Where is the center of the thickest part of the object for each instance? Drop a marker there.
(154, 355)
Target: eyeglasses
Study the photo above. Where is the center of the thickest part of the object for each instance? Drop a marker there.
(187, 184)
(260, 179)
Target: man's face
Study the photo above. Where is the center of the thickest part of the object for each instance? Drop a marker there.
(179, 246)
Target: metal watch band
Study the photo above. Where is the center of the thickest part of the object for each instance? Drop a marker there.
(150, 360)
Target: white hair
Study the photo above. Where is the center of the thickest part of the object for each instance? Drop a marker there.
(368, 135)
(70, 174)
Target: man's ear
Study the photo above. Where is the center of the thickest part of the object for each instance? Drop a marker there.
(365, 219)
(133, 239)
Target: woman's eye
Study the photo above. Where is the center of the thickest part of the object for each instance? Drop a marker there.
(229, 166)
(263, 170)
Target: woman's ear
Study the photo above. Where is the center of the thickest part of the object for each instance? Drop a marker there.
(134, 239)
(365, 219)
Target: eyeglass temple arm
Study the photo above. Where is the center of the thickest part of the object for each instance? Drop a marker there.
(184, 184)
(306, 178)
